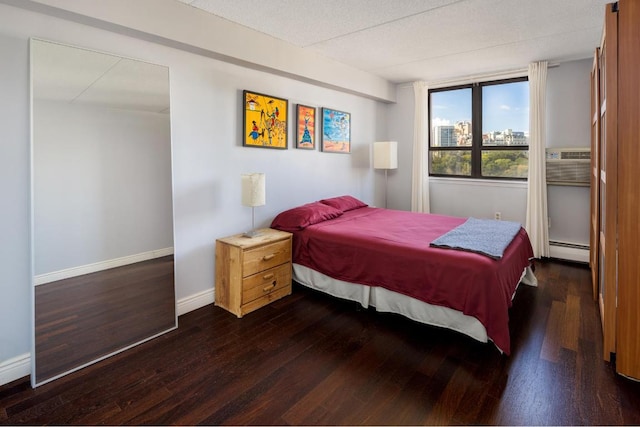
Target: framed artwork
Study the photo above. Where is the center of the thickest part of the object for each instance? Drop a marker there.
(305, 127)
(264, 120)
(336, 131)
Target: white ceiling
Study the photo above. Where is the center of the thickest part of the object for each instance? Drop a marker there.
(431, 40)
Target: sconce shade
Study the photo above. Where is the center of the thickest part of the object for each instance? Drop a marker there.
(253, 189)
(385, 155)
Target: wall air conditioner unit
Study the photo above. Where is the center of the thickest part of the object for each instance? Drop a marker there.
(568, 166)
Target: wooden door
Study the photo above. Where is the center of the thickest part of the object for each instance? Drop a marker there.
(628, 214)
(594, 235)
(608, 180)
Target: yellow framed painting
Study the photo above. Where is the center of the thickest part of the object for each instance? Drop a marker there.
(264, 120)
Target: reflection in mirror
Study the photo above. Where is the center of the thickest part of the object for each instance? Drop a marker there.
(102, 219)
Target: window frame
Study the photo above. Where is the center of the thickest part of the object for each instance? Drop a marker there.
(476, 147)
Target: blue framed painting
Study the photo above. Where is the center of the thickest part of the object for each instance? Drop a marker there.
(336, 131)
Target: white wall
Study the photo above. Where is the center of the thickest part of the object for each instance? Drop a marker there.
(102, 184)
(479, 198)
(400, 122)
(567, 126)
(208, 156)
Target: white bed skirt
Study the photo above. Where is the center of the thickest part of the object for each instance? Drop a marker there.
(385, 300)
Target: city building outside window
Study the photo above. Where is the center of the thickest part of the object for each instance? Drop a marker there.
(480, 130)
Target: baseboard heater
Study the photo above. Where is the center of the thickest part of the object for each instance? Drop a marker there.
(569, 251)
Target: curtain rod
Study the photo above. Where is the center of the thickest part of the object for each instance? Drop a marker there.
(476, 78)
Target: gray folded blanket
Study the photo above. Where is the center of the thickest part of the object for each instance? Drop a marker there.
(484, 236)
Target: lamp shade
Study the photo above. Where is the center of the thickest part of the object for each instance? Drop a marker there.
(253, 189)
(385, 155)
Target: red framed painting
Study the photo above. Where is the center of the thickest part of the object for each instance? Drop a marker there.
(305, 127)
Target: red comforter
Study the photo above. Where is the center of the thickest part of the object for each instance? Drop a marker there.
(389, 248)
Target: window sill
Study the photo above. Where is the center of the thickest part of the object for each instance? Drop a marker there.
(478, 182)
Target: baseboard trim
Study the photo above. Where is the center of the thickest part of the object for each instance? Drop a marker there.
(15, 368)
(41, 279)
(20, 366)
(195, 301)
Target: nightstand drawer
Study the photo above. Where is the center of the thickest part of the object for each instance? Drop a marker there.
(266, 257)
(264, 300)
(265, 282)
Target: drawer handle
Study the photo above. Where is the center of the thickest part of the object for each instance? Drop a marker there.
(268, 288)
(268, 257)
(267, 276)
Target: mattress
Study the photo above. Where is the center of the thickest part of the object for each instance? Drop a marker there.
(387, 301)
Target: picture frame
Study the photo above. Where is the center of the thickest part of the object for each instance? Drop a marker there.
(305, 127)
(336, 131)
(264, 120)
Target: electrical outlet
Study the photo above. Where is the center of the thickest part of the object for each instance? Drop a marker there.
(498, 216)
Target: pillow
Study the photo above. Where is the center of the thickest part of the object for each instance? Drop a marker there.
(344, 203)
(303, 216)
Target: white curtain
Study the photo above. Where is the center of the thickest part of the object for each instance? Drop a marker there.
(420, 174)
(537, 220)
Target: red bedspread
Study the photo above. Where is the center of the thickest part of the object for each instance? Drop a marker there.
(389, 248)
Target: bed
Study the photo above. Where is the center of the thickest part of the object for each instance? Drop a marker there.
(384, 258)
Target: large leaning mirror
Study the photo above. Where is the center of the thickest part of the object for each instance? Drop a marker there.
(102, 211)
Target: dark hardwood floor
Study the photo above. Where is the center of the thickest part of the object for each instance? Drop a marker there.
(312, 359)
(83, 318)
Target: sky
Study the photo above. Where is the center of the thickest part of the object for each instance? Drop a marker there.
(504, 106)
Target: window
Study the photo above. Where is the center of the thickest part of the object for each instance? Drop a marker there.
(480, 130)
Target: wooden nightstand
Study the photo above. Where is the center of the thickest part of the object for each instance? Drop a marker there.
(252, 272)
